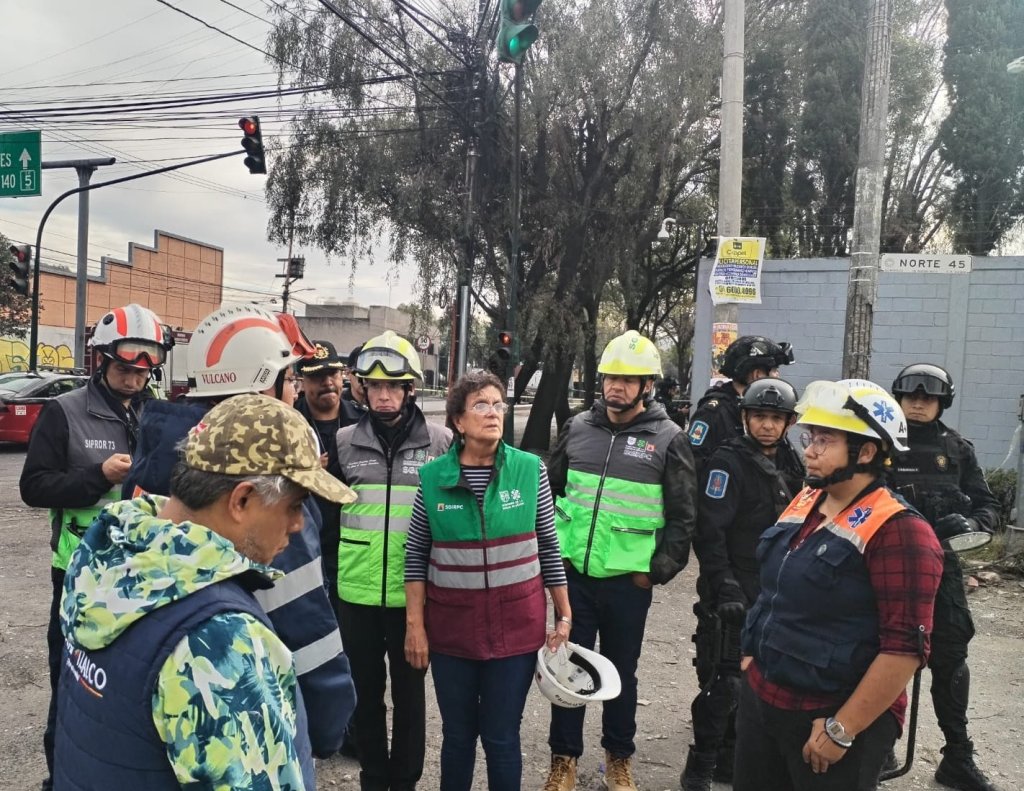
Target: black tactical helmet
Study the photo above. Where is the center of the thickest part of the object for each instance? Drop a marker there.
(933, 379)
(768, 393)
(754, 351)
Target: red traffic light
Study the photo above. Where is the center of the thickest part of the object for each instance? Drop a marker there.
(21, 253)
(248, 126)
(505, 338)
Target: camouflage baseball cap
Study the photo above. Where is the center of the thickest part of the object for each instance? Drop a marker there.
(258, 435)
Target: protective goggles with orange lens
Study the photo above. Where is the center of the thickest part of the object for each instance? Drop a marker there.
(138, 354)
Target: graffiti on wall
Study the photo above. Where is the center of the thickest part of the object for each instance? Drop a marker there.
(14, 355)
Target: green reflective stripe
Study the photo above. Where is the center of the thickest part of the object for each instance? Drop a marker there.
(378, 521)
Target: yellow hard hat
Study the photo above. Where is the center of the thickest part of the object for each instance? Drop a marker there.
(630, 354)
(388, 356)
(856, 406)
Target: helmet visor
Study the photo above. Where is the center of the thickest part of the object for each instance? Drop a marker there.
(930, 384)
(139, 354)
(389, 361)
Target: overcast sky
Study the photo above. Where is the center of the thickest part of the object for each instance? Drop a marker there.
(61, 51)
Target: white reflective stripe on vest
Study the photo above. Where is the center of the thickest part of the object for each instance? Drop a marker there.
(474, 556)
(478, 580)
(310, 657)
(293, 585)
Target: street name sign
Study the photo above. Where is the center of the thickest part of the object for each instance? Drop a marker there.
(20, 164)
(927, 263)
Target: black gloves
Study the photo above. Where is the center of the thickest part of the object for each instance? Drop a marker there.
(953, 525)
(732, 604)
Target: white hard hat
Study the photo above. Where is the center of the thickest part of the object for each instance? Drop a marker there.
(574, 676)
(242, 350)
(132, 335)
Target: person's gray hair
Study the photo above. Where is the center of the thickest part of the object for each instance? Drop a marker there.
(198, 489)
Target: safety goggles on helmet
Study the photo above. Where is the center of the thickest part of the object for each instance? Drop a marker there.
(138, 354)
(910, 383)
(391, 363)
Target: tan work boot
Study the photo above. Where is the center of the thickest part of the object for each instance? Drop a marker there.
(618, 773)
(563, 774)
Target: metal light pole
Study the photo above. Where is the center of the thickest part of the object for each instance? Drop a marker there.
(513, 258)
(85, 168)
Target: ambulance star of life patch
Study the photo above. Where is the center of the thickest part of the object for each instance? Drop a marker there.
(718, 482)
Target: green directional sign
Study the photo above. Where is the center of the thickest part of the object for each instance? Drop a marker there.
(20, 164)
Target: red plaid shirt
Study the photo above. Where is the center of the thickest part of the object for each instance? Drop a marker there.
(904, 561)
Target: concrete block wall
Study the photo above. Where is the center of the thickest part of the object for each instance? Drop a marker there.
(971, 324)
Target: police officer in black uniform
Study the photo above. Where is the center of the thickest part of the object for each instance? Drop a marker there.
(940, 477)
(741, 493)
(717, 417)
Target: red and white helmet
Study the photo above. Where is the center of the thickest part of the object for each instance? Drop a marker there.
(132, 335)
(242, 350)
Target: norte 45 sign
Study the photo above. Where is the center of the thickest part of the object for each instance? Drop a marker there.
(20, 164)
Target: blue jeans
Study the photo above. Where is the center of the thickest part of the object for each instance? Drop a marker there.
(482, 698)
(616, 609)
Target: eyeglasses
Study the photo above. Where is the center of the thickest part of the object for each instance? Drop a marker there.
(820, 443)
(483, 408)
(294, 381)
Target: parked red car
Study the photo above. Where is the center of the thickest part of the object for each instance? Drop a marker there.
(22, 397)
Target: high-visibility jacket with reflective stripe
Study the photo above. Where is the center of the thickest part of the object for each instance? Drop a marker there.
(485, 595)
(613, 507)
(94, 434)
(371, 552)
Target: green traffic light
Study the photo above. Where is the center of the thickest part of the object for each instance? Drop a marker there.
(514, 41)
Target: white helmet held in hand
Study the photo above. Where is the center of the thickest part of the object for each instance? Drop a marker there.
(574, 676)
(242, 350)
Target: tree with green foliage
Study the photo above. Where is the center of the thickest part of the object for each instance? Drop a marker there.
(982, 137)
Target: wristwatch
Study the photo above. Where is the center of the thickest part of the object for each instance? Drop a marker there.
(837, 733)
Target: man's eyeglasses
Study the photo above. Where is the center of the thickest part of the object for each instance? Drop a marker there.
(819, 442)
(482, 407)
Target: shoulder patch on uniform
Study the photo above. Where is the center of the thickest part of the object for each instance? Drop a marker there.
(718, 482)
(712, 404)
(698, 432)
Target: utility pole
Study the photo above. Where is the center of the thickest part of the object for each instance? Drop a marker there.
(730, 173)
(85, 168)
(513, 258)
(867, 208)
(295, 269)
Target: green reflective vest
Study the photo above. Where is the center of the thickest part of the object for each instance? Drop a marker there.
(371, 552)
(613, 507)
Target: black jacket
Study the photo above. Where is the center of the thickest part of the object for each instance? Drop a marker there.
(941, 475)
(741, 494)
(46, 481)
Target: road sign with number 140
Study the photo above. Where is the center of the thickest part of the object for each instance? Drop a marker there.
(20, 164)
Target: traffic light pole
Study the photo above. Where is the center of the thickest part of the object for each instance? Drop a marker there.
(513, 257)
(34, 327)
